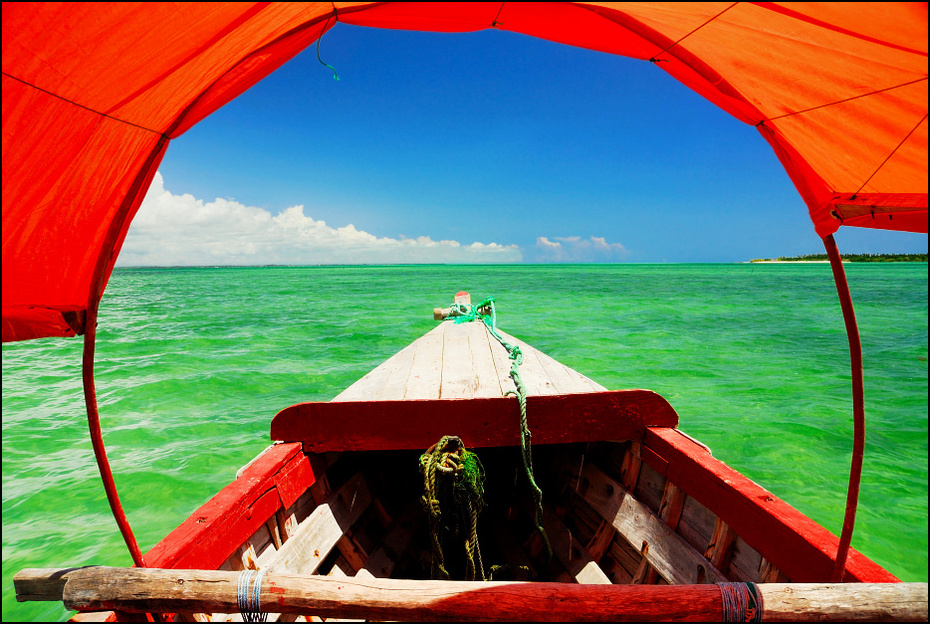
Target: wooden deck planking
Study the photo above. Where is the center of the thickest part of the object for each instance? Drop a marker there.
(425, 377)
(461, 361)
(502, 364)
(535, 378)
(379, 380)
(490, 382)
(560, 379)
(460, 373)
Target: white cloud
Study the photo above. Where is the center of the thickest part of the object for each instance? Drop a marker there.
(181, 230)
(577, 249)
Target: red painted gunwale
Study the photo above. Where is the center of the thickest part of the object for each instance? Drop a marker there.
(275, 480)
(801, 548)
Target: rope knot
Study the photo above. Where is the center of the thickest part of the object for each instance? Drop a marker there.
(453, 478)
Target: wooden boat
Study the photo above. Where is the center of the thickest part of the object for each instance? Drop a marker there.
(637, 520)
(88, 115)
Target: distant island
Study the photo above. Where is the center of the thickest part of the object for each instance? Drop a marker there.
(850, 258)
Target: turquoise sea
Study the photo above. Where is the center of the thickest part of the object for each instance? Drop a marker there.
(193, 363)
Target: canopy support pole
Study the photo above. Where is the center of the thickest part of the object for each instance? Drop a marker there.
(855, 356)
(96, 437)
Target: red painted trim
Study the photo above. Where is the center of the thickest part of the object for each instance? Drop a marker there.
(213, 532)
(656, 462)
(799, 547)
(480, 422)
(855, 356)
(294, 479)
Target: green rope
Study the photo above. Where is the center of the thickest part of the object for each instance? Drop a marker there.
(453, 478)
(486, 312)
(335, 75)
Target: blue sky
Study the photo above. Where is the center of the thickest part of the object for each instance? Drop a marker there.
(475, 147)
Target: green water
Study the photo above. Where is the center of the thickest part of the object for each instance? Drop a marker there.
(193, 363)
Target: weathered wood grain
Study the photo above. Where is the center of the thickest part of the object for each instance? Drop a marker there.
(557, 377)
(388, 377)
(720, 548)
(670, 508)
(319, 533)
(158, 590)
(673, 558)
(463, 360)
(424, 380)
(41, 584)
(480, 422)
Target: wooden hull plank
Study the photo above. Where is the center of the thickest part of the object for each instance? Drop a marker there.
(381, 562)
(480, 422)
(576, 560)
(676, 560)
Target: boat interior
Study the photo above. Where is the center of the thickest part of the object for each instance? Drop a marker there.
(626, 497)
(610, 515)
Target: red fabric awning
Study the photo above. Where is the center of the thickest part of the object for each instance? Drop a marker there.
(92, 95)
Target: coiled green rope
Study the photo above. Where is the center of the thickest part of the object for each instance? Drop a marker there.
(454, 481)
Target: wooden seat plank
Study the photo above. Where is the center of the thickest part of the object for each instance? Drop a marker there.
(480, 422)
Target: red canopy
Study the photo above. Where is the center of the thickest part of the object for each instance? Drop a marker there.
(93, 94)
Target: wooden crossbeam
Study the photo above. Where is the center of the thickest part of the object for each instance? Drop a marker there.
(323, 528)
(848, 206)
(479, 422)
(150, 590)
